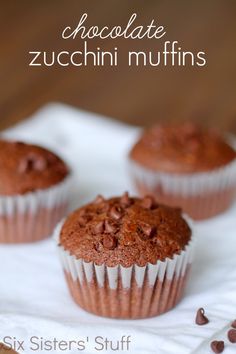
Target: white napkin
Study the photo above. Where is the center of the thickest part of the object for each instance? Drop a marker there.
(34, 300)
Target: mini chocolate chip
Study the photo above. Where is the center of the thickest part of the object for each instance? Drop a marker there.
(110, 227)
(116, 212)
(146, 231)
(103, 209)
(32, 162)
(201, 319)
(83, 219)
(99, 199)
(125, 200)
(148, 202)
(109, 242)
(233, 324)
(232, 335)
(99, 228)
(25, 165)
(217, 346)
(98, 247)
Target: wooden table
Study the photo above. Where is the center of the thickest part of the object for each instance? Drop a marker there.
(140, 95)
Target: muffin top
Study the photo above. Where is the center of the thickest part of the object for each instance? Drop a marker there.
(125, 231)
(25, 168)
(185, 148)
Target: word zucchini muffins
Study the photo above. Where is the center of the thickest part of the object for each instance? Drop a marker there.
(33, 192)
(185, 166)
(125, 257)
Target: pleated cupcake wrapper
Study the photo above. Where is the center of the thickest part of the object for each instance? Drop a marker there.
(33, 216)
(32, 201)
(185, 185)
(88, 271)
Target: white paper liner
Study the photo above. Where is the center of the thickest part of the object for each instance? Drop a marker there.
(30, 202)
(87, 272)
(194, 184)
(19, 214)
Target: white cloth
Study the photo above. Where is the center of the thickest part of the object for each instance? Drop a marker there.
(34, 300)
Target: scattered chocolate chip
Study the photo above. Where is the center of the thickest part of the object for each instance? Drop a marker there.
(125, 200)
(146, 231)
(232, 335)
(99, 199)
(233, 324)
(116, 212)
(25, 165)
(110, 227)
(148, 202)
(32, 162)
(201, 318)
(104, 208)
(109, 242)
(99, 228)
(217, 346)
(82, 220)
(98, 247)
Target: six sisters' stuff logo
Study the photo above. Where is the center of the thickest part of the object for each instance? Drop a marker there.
(95, 344)
(170, 54)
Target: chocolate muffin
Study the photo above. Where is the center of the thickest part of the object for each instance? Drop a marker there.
(33, 191)
(185, 166)
(125, 257)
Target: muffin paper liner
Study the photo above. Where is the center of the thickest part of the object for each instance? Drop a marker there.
(119, 291)
(209, 193)
(33, 216)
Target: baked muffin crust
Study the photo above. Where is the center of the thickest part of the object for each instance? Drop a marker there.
(185, 148)
(125, 231)
(25, 168)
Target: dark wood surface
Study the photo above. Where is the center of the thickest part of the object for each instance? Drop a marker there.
(135, 95)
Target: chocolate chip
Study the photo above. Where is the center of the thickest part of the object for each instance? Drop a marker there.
(99, 228)
(217, 346)
(233, 324)
(32, 162)
(25, 165)
(201, 319)
(99, 199)
(82, 220)
(125, 200)
(232, 335)
(98, 247)
(116, 212)
(110, 227)
(148, 202)
(146, 231)
(109, 242)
